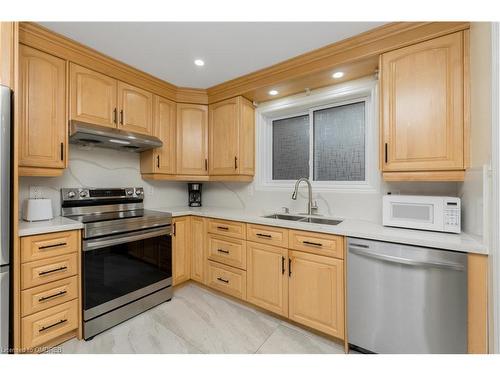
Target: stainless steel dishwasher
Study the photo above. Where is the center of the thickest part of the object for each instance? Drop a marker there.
(406, 299)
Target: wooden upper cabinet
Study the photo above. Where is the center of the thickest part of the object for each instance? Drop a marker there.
(135, 109)
(43, 120)
(422, 106)
(162, 160)
(92, 97)
(316, 292)
(192, 139)
(7, 34)
(232, 137)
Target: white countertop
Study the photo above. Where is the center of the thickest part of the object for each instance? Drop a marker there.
(57, 224)
(349, 227)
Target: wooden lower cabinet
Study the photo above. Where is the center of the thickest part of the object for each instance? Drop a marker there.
(267, 277)
(47, 325)
(198, 242)
(226, 279)
(181, 254)
(47, 304)
(316, 292)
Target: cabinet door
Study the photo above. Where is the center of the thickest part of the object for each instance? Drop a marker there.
(181, 253)
(246, 162)
(267, 277)
(316, 292)
(224, 137)
(42, 129)
(192, 139)
(422, 106)
(198, 257)
(136, 109)
(92, 97)
(162, 159)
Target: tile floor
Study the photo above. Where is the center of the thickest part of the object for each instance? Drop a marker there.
(199, 321)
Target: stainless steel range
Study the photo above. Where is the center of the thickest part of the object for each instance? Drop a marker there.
(126, 254)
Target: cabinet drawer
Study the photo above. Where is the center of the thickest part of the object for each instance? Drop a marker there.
(227, 228)
(227, 251)
(44, 326)
(48, 270)
(48, 295)
(227, 279)
(48, 245)
(317, 243)
(267, 235)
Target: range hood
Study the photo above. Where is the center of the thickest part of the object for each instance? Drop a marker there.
(82, 133)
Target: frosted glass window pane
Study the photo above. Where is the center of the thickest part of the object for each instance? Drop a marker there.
(339, 143)
(291, 148)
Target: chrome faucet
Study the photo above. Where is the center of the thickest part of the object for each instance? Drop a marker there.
(310, 204)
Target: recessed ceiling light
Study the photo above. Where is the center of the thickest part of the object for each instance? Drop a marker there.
(273, 92)
(199, 62)
(338, 75)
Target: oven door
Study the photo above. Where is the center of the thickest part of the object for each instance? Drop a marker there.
(123, 268)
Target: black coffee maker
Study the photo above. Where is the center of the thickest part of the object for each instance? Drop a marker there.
(194, 191)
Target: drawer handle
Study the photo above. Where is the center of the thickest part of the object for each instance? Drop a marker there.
(44, 328)
(263, 235)
(58, 294)
(223, 280)
(223, 251)
(312, 243)
(50, 271)
(223, 228)
(51, 246)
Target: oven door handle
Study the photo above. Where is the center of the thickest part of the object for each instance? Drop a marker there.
(93, 244)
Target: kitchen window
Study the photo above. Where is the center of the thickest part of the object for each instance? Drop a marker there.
(329, 137)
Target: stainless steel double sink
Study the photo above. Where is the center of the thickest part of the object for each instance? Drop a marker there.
(304, 219)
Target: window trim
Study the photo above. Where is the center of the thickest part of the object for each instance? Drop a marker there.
(362, 90)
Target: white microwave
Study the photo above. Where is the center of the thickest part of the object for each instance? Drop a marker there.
(440, 214)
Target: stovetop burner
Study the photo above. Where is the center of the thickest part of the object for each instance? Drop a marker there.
(110, 211)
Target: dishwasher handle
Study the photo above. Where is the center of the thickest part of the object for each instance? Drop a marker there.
(362, 250)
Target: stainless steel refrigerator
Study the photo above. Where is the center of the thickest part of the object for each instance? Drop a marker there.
(5, 215)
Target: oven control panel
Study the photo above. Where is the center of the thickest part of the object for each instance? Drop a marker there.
(79, 194)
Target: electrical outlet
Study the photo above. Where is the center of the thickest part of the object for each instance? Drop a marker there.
(150, 190)
(36, 191)
(250, 190)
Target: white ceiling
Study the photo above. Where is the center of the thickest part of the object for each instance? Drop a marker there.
(230, 49)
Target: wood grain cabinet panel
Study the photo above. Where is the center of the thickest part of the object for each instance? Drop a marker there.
(92, 97)
(181, 254)
(317, 243)
(198, 244)
(227, 228)
(44, 246)
(422, 106)
(232, 137)
(267, 235)
(47, 270)
(47, 325)
(43, 118)
(48, 295)
(267, 277)
(229, 251)
(162, 160)
(192, 139)
(135, 109)
(316, 292)
(226, 279)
